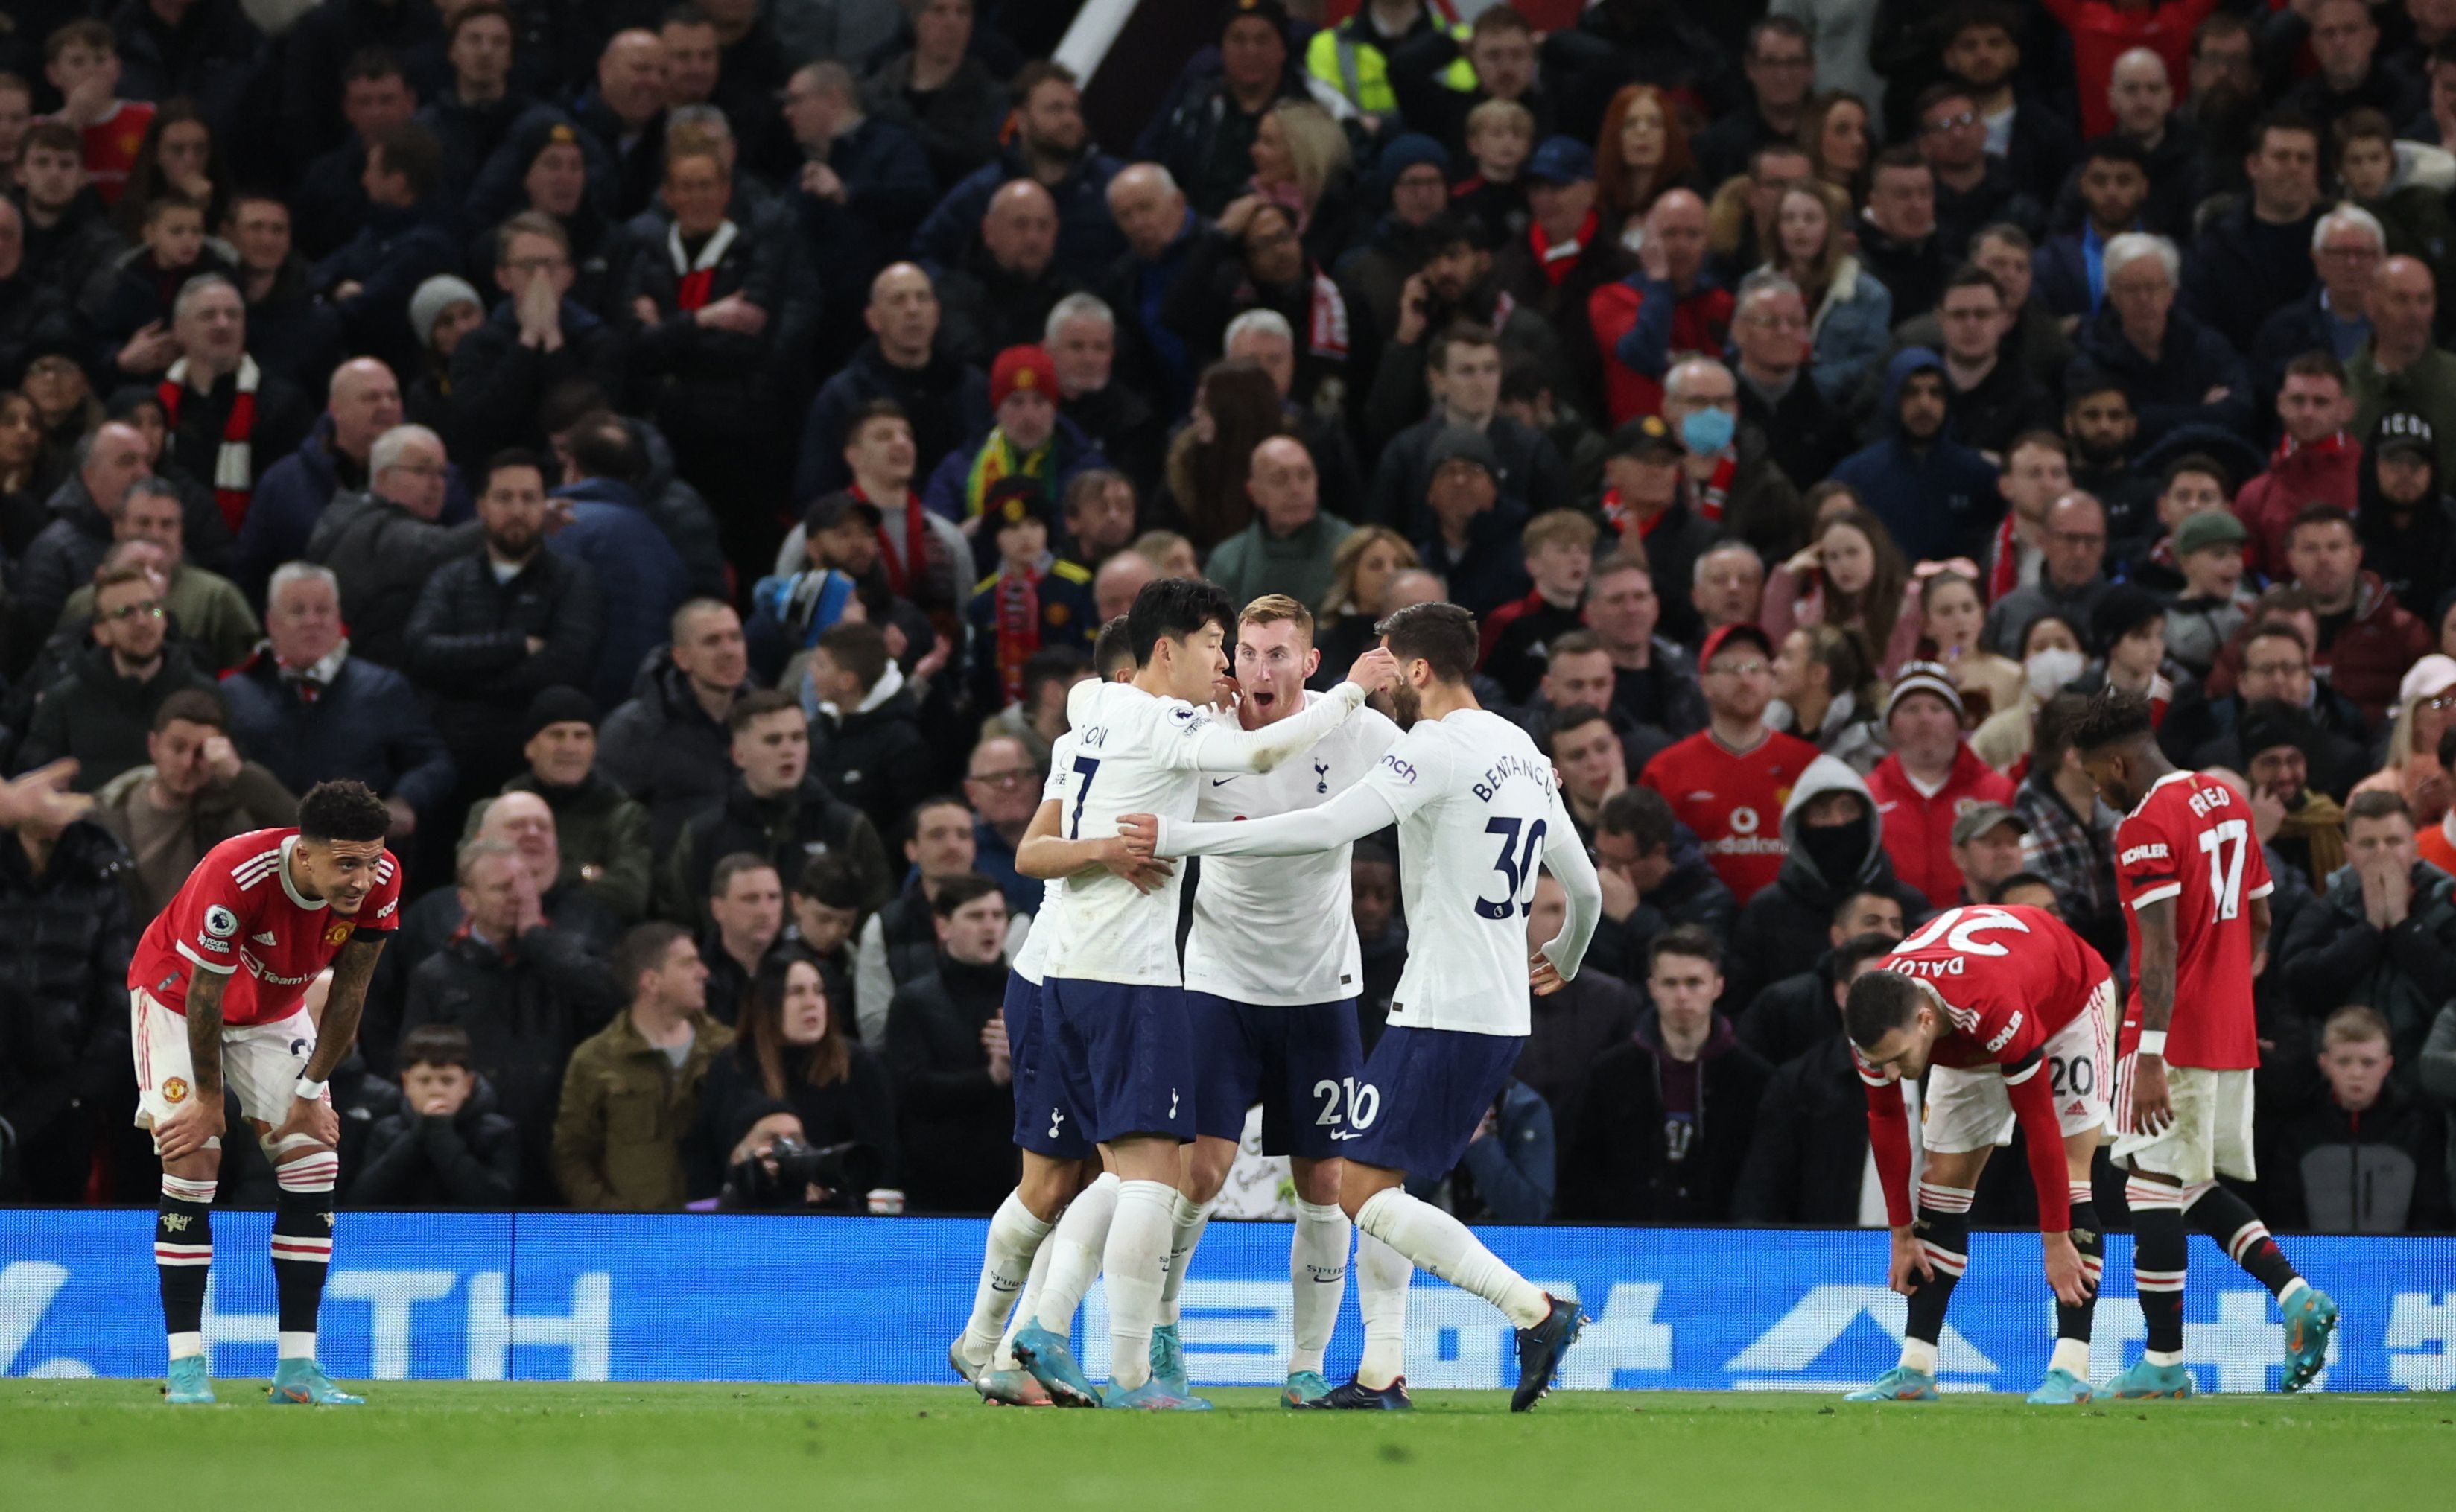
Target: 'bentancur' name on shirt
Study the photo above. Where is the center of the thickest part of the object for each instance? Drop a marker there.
(1488, 786)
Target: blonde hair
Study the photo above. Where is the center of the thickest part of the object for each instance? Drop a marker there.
(1561, 527)
(2353, 1024)
(1349, 558)
(1493, 113)
(1317, 148)
(1272, 608)
(1814, 279)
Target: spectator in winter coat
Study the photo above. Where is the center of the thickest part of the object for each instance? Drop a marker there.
(2405, 520)
(447, 1147)
(493, 627)
(774, 809)
(1573, 1026)
(1937, 496)
(1667, 1115)
(636, 1161)
(101, 711)
(2317, 462)
(2175, 370)
(1289, 547)
(858, 184)
(946, 402)
(1833, 847)
(66, 933)
(537, 338)
(2072, 576)
(205, 608)
(385, 542)
(1051, 147)
(193, 793)
(602, 834)
(2366, 639)
(667, 744)
(404, 239)
(610, 529)
(2368, 1156)
(2335, 317)
(2256, 256)
(946, 1040)
(2403, 368)
(941, 93)
(1930, 779)
(1807, 1159)
(796, 1071)
(311, 710)
(866, 741)
(896, 944)
(524, 990)
(2383, 932)
(363, 403)
(1655, 876)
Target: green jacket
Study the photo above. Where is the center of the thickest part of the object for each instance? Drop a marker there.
(2427, 389)
(1253, 562)
(618, 1134)
(208, 608)
(596, 824)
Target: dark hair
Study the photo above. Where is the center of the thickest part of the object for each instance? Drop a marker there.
(2359, 126)
(1692, 940)
(1458, 332)
(953, 893)
(828, 878)
(194, 704)
(2284, 118)
(54, 137)
(1176, 607)
(1774, 27)
(757, 704)
(2278, 630)
(1978, 14)
(1851, 896)
(1575, 643)
(1880, 1003)
(2052, 733)
(511, 457)
(874, 410)
(2202, 464)
(1642, 814)
(1971, 275)
(602, 445)
(410, 150)
(347, 812)
(1052, 663)
(2448, 747)
(1577, 716)
(763, 1026)
(162, 204)
(2316, 513)
(2377, 803)
(858, 647)
(368, 64)
(1113, 648)
(1442, 634)
(565, 403)
(2115, 148)
(2317, 363)
(1859, 950)
(720, 881)
(83, 33)
(1901, 154)
(641, 950)
(2113, 717)
(2019, 879)
(437, 1045)
(685, 14)
(1936, 93)
(1032, 75)
(478, 11)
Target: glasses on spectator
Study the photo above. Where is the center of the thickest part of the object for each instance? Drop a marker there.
(1006, 777)
(1954, 122)
(149, 610)
(2274, 669)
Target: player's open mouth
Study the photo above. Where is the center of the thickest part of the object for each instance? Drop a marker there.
(1264, 698)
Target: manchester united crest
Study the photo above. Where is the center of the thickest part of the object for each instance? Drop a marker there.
(175, 1090)
(338, 933)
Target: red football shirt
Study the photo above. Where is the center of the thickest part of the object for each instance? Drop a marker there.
(2191, 840)
(238, 915)
(1733, 800)
(111, 146)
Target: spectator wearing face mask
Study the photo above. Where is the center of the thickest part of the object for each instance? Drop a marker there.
(1834, 842)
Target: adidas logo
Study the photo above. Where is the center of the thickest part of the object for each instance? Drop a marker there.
(264, 938)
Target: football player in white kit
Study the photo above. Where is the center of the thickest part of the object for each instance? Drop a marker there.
(1116, 1054)
(1271, 974)
(1476, 805)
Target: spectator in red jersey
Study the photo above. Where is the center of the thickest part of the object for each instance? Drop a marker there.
(1725, 780)
(2317, 462)
(2367, 638)
(82, 61)
(2103, 30)
(1931, 777)
(1670, 304)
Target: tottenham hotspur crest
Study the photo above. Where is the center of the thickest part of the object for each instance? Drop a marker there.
(1322, 777)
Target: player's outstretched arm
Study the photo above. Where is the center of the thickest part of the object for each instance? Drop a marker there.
(1221, 746)
(1359, 811)
(1569, 863)
(2152, 1110)
(185, 1131)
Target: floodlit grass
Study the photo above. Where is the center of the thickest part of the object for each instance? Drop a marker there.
(98, 1446)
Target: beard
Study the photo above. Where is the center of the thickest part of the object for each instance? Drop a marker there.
(1407, 707)
(512, 541)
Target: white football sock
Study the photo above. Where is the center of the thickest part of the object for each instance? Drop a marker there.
(1443, 1246)
(1918, 1355)
(1381, 1278)
(1025, 1306)
(2071, 1355)
(1135, 1264)
(1317, 1276)
(1082, 1233)
(1186, 1221)
(1014, 1239)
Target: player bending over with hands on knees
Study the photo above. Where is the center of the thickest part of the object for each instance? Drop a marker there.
(1116, 1059)
(2195, 887)
(1475, 803)
(218, 991)
(2009, 1014)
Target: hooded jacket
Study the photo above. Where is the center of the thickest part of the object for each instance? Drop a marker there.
(2369, 655)
(2327, 472)
(1782, 930)
(1938, 499)
(2416, 560)
(2380, 1171)
(1918, 829)
(874, 756)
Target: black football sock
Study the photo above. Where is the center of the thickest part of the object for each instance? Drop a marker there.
(183, 1254)
(2228, 1219)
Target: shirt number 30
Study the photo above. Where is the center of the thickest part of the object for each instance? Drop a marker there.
(1517, 868)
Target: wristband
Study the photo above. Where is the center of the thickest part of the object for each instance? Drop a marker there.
(308, 1090)
(2152, 1042)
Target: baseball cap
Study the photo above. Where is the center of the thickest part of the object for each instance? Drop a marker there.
(1645, 435)
(1980, 817)
(1923, 676)
(1465, 443)
(2405, 431)
(2428, 678)
(830, 509)
(1022, 367)
(2209, 528)
(1748, 630)
(1561, 160)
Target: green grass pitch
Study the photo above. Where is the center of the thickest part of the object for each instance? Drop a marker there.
(101, 1446)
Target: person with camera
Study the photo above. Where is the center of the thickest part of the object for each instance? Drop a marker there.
(806, 1112)
(946, 1039)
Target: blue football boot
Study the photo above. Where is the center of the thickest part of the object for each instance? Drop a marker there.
(1901, 1383)
(1053, 1364)
(189, 1385)
(304, 1383)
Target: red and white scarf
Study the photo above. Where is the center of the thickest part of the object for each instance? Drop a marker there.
(1326, 324)
(695, 277)
(908, 563)
(235, 462)
(1557, 257)
(1718, 486)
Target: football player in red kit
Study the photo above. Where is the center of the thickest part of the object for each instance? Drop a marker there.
(2009, 1015)
(217, 994)
(2195, 887)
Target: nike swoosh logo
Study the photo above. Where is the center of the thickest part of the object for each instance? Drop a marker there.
(1010, 1286)
(1222, 782)
(1336, 1134)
